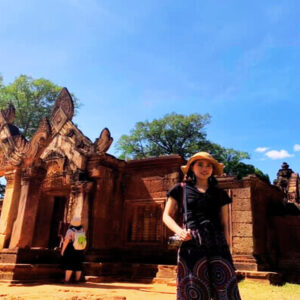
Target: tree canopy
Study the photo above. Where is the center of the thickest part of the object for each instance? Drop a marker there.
(33, 100)
(183, 135)
(174, 133)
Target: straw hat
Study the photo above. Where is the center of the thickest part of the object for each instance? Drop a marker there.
(76, 221)
(218, 167)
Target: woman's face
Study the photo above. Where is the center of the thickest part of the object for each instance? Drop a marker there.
(202, 169)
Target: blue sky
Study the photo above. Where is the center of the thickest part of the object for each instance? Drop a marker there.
(130, 61)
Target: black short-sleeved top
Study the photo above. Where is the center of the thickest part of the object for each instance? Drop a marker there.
(201, 206)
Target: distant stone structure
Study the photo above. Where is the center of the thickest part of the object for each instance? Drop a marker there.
(60, 173)
(288, 181)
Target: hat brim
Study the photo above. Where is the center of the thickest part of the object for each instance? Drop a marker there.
(217, 167)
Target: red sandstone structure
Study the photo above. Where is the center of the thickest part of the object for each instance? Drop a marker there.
(60, 174)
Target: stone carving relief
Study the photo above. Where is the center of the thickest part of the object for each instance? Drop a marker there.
(283, 177)
(39, 139)
(63, 110)
(289, 182)
(12, 142)
(104, 141)
(9, 114)
(79, 140)
(55, 163)
(13, 145)
(58, 147)
(58, 120)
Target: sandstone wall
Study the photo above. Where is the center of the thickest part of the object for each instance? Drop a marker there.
(285, 244)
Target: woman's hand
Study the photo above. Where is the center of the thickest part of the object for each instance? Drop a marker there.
(168, 219)
(185, 234)
(62, 253)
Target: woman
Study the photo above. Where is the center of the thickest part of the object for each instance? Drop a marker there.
(72, 258)
(205, 267)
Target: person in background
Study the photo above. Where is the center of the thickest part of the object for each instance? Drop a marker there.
(205, 268)
(73, 250)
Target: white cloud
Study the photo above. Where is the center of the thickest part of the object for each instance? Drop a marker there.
(274, 154)
(296, 147)
(261, 149)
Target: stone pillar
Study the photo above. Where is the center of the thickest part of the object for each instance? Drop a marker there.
(242, 221)
(23, 229)
(10, 205)
(79, 202)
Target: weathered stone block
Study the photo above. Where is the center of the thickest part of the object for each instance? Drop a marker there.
(242, 229)
(242, 245)
(242, 216)
(153, 184)
(241, 204)
(242, 193)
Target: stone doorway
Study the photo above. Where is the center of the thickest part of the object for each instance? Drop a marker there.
(57, 225)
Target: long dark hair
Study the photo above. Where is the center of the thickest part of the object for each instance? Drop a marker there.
(190, 178)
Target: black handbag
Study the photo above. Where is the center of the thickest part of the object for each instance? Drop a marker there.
(174, 241)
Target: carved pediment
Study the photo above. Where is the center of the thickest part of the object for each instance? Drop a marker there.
(64, 146)
(8, 114)
(54, 168)
(39, 140)
(104, 141)
(57, 134)
(53, 155)
(17, 150)
(63, 110)
(55, 163)
(12, 143)
(79, 141)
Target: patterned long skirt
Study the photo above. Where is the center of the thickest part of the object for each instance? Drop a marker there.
(206, 272)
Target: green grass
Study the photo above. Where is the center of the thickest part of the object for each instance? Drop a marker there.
(256, 290)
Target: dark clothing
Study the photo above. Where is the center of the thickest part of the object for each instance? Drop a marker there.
(201, 206)
(201, 276)
(205, 267)
(72, 259)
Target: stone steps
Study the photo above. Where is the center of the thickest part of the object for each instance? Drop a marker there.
(105, 272)
(271, 277)
(244, 262)
(14, 273)
(164, 274)
(121, 271)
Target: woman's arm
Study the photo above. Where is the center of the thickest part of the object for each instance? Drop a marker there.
(168, 219)
(224, 216)
(64, 246)
(225, 222)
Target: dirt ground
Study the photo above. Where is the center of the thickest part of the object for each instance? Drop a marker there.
(250, 290)
(88, 290)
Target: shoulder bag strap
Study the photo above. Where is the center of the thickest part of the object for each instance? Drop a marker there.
(74, 231)
(184, 204)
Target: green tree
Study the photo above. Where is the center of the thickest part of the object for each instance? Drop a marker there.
(232, 159)
(33, 100)
(174, 133)
(183, 135)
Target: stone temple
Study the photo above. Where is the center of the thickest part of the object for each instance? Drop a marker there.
(60, 173)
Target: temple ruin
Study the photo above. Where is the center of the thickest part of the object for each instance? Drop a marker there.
(60, 173)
